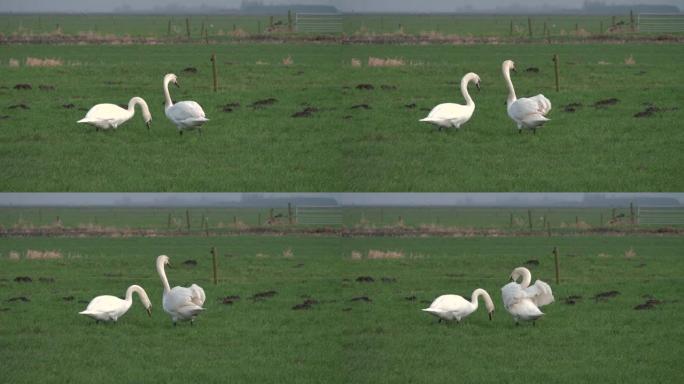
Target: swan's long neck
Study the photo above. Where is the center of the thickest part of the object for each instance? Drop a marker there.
(141, 293)
(526, 278)
(167, 95)
(481, 292)
(509, 84)
(464, 89)
(143, 105)
(162, 275)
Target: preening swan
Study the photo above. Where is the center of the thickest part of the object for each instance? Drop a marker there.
(454, 307)
(522, 301)
(454, 115)
(180, 302)
(527, 112)
(186, 115)
(106, 116)
(110, 308)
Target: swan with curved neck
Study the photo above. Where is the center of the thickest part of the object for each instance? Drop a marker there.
(111, 308)
(523, 300)
(181, 303)
(455, 307)
(527, 112)
(106, 116)
(455, 115)
(186, 115)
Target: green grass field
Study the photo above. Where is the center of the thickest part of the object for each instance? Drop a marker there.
(387, 339)
(383, 148)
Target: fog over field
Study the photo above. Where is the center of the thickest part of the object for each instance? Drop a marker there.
(425, 6)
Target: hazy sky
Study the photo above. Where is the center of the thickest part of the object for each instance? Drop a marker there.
(344, 5)
(346, 199)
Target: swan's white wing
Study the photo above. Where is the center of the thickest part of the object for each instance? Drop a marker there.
(179, 297)
(107, 111)
(185, 110)
(511, 293)
(540, 293)
(455, 114)
(543, 104)
(448, 302)
(198, 295)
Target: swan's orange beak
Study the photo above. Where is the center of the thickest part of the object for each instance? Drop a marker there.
(176, 83)
(149, 311)
(490, 316)
(149, 124)
(477, 85)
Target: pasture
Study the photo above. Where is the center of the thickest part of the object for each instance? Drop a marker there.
(352, 330)
(350, 137)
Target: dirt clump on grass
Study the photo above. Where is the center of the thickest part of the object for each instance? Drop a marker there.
(361, 106)
(603, 296)
(190, 263)
(307, 304)
(229, 300)
(23, 279)
(68, 106)
(229, 107)
(189, 70)
(572, 107)
(306, 112)
(572, 299)
(531, 263)
(362, 298)
(263, 103)
(366, 87)
(606, 102)
(649, 304)
(410, 105)
(19, 106)
(260, 296)
(68, 298)
(365, 279)
(532, 70)
(19, 298)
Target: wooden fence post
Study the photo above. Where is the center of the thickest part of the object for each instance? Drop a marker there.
(213, 69)
(289, 20)
(187, 218)
(529, 26)
(289, 213)
(631, 213)
(529, 218)
(168, 31)
(187, 26)
(511, 32)
(556, 65)
(213, 263)
(555, 257)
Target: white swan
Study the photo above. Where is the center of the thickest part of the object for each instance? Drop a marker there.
(454, 115)
(186, 115)
(454, 307)
(106, 116)
(528, 112)
(180, 302)
(110, 308)
(522, 301)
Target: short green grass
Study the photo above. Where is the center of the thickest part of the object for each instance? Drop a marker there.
(383, 148)
(386, 340)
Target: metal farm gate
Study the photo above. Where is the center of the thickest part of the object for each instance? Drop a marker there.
(319, 215)
(661, 22)
(318, 22)
(661, 215)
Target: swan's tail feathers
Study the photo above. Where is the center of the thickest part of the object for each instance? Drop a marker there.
(429, 120)
(87, 313)
(432, 311)
(85, 120)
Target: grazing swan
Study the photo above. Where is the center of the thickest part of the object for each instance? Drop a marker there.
(454, 115)
(106, 116)
(522, 301)
(180, 302)
(187, 115)
(527, 112)
(110, 308)
(454, 307)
